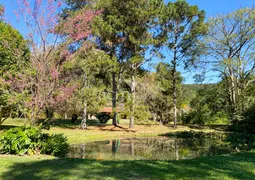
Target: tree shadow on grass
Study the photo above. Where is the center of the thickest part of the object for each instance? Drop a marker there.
(117, 128)
(217, 127)
(239, 166)
(67, 124)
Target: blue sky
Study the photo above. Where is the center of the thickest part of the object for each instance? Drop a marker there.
(211, 7)
(214, 7)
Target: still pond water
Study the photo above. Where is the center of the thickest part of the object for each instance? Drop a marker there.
(153, 148)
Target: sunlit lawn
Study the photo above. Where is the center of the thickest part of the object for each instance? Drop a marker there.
(97, 131)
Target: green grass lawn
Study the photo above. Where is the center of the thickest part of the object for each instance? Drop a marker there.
(97, 131)
(237, 166)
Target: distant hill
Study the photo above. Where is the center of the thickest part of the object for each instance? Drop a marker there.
(189, 90)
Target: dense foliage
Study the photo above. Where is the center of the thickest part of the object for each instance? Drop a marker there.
(247, 123)
(208, 106)
(14, 55)
(31, 140)
(13, 48)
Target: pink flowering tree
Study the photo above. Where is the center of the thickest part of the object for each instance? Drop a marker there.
(1, 10)
(76, 28)
(42, 82)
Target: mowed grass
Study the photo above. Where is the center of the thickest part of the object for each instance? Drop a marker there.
(237, 166)
(97, 131)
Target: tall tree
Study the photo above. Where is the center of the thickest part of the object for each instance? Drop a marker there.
(75, 27)
(181, 27)
(124, 33)
(231, 45)
(88, 70)
(108, 30)
(14, 54)
(41, 80)
(138, 39)
(159, 98)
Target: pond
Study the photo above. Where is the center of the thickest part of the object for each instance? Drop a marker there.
(159, 148)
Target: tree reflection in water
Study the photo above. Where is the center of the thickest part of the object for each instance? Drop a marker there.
(159, 148)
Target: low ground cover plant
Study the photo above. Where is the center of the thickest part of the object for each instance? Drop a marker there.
(31, 141)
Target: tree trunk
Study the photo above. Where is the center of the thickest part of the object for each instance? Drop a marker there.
(132, 87)
(233, 95)
(84, 118)
(33, 116)
(160, 119)
(242, 99)
(49, 114)
(114, 99)
(1, 115)
(174, 63)
(174, 90)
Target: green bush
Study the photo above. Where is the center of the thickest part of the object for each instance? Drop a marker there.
(142, 115)
(204, 115)
(103, 117)
(247, 124)
(31, 140)
(197, 116)
(21, 141)
(55, 145)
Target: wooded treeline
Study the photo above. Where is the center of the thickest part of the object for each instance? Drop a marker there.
(88, 54)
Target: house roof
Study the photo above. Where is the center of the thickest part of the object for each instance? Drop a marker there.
(109, 109)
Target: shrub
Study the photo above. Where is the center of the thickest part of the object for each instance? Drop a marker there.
(247, 124)
(31, 140)
(103, 117)
(74, 118)
(204, 115)
(55, 145)
(198, 116)
(21, 141)
(142, 114)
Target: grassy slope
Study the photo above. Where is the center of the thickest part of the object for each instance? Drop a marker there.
(238, 166)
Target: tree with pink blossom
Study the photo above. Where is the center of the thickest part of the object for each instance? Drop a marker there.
(42, 83)
(76, 28)
(1, 10)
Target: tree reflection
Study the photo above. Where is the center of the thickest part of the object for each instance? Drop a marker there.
(176, 149)
(83, 151)
(115, 147)
(132, 147)
(163, 148)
